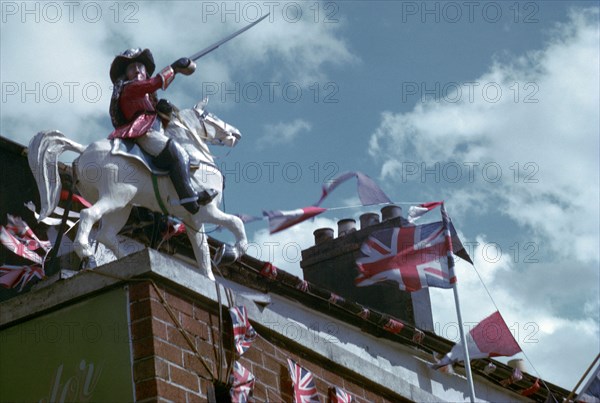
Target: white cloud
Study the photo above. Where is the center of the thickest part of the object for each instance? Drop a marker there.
(283, 132)
(542, 157)
(548, 155)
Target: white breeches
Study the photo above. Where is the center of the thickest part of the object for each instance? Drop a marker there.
(153, 142)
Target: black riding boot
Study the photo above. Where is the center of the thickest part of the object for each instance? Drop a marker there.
(174, 159)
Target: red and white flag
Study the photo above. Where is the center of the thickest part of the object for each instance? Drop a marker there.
(280, 220)
(14, 245)
(305, 390)
(53, 221)
(415, 212)
(64, 195)
(368, 191)
(490, 338)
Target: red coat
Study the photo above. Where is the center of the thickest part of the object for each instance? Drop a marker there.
(137, 108)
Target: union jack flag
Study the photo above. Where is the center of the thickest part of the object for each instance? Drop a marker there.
(242, 384)
(338, 395)
(14, 245)
(415, 257)
(305, 390)
(13, 276)
(19, 228)
(243, 332)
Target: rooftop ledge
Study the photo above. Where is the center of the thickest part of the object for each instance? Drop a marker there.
(401, 369)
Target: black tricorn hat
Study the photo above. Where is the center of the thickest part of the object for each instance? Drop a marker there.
(119, 65)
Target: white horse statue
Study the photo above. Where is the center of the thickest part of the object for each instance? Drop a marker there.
(113, 183)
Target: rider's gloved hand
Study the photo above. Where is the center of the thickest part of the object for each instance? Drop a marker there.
(184, 66)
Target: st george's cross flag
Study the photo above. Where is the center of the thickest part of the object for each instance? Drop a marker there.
(305, 390)
(489, 338)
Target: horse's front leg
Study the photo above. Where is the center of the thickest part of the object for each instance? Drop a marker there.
(212, 214)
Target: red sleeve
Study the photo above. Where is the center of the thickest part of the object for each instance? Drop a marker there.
(143, 87)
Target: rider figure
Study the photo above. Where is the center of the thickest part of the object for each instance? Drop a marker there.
(134, 109)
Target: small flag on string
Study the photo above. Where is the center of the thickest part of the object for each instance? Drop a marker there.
(57, 219)
(13, 276)
(64, 195)
(269, 271)
(532, 389)
(280, 220)
(416, 212)
(490, 338)
(393, 326)
(339, 395)
(368, 191)
(243, 332)
(516, 376)
(19, 249)
(305, 390)
(19, 228)
(242, 384)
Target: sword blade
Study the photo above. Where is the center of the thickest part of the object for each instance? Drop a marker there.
(212, 47)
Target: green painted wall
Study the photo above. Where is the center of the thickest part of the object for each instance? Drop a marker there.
(78, 353)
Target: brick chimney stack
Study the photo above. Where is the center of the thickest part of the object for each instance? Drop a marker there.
(331, 263)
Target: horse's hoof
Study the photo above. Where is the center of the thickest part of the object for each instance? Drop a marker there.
(88, 263)
(225, 255)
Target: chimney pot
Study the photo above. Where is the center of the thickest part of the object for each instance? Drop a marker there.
(517, 363)
(390, 211)
(323, 235)
(346, 226)
(368, 219)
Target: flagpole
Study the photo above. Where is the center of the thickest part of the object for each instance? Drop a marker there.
(583, 377)
(452, 279)
(464, 344)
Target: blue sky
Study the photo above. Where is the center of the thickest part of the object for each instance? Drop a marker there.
(492, 106)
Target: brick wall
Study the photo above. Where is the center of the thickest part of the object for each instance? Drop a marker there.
(166, 369)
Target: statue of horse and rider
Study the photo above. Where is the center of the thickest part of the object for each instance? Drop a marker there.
(114, 181)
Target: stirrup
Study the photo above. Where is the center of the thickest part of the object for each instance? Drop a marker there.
(206, 196)
(225, 255)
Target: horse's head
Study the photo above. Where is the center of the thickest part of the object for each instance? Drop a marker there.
(216, 130)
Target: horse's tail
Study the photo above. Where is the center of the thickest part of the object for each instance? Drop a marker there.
(44, 150)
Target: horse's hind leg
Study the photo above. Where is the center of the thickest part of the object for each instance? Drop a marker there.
(111, 225)
(88, 217)
(201, 250)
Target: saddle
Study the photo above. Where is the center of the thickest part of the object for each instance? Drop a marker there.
(128, 148)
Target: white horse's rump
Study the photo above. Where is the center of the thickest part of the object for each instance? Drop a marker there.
(114, 184)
